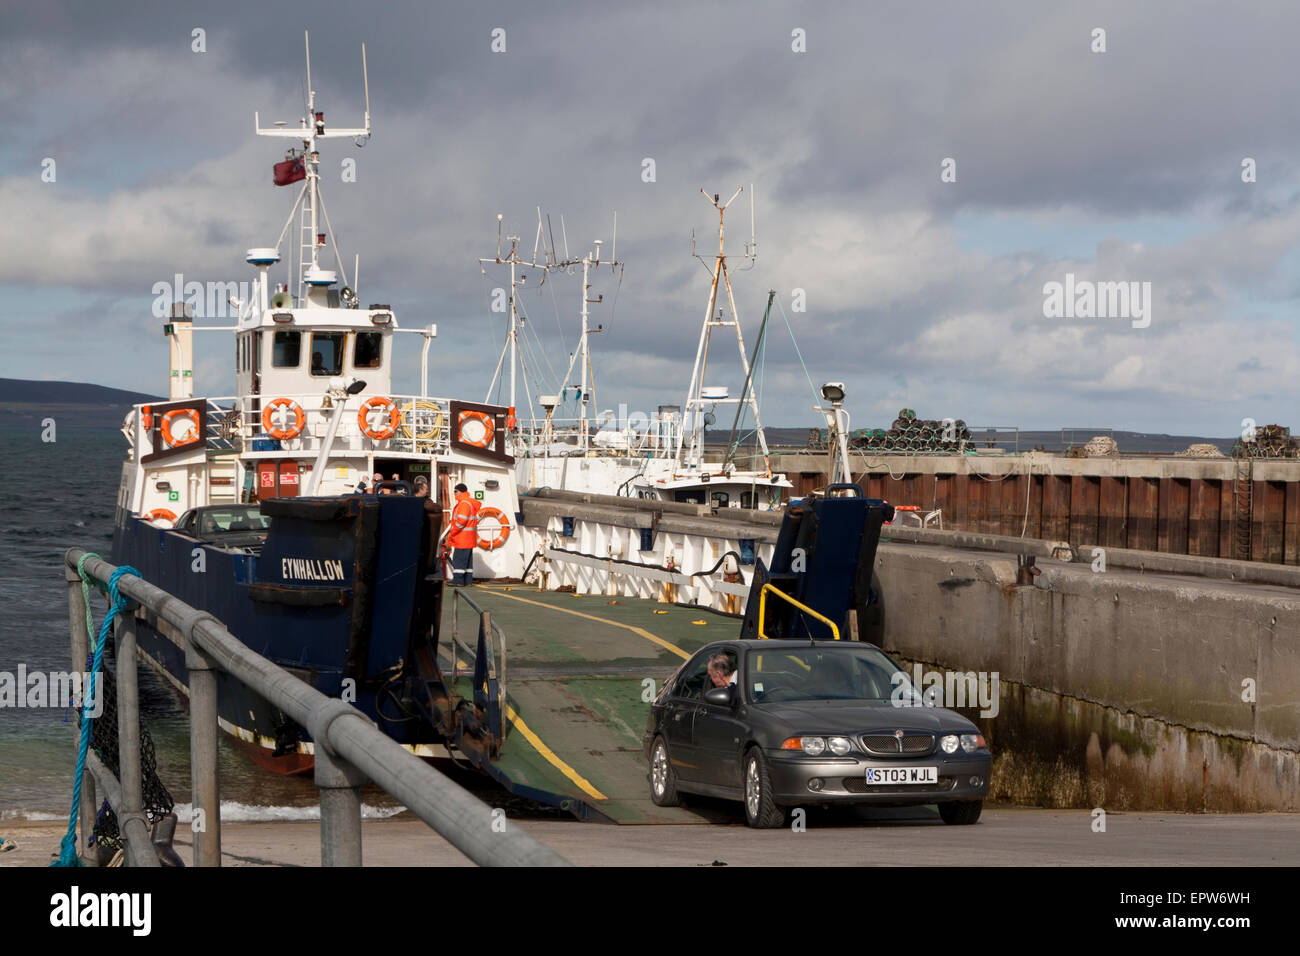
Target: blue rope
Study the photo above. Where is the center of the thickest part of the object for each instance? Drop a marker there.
(68, 848)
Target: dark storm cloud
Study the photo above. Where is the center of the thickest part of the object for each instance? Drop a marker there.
(159, 173)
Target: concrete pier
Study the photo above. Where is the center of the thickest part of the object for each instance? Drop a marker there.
(1211, 507)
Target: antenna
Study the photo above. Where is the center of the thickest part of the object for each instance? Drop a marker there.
(752, 252)
(564, 233)
(613, 252)
(365, 82)
(306, 42)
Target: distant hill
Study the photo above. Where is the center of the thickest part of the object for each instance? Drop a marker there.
(70, 403)
(66, 393)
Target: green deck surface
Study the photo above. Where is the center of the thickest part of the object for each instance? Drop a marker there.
(578, 684)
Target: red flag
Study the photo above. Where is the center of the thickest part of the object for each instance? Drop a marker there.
(289, 171)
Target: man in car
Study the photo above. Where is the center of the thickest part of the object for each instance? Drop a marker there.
(722, 669)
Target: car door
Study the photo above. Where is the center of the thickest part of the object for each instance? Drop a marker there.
(679, 718)
(719, 734)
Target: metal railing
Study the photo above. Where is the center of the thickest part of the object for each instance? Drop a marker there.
(493, 662)
(235, 423)
(637, 438)
(762, 610)
(349, 749)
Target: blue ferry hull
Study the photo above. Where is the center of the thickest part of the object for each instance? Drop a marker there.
(343, 594)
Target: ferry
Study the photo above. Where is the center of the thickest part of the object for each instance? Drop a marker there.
(306, 511)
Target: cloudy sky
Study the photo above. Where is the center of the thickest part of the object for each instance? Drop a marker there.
(1122, 165)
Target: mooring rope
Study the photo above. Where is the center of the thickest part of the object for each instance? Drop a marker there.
(68, 848)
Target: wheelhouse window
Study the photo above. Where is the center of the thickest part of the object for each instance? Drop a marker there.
(720, 499)
(327, 353)
(286, 349)
(747, 500)
(369, 350)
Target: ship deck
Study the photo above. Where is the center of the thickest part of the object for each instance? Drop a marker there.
(575, 683)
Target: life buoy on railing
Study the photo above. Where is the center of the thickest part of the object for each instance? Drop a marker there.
(188, 414)
(381, 432)
(417, 425)
(503, 531)
(290, 431)
(159, 513)
(475, 428)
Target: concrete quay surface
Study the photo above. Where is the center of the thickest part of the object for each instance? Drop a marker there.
(1004, 836)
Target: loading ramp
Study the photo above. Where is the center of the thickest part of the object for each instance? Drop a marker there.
(575, 682)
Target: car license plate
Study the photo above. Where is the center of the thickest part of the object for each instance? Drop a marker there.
(902, 775)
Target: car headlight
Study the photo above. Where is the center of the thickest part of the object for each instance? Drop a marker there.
(839, 745)
(972, 742)
(813, 746)
(949, 743)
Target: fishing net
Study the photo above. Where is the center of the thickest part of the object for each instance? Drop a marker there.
(158, 801)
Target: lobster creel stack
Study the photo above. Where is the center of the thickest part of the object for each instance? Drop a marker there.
(909, 434)
(1269, 441)
(915, 435)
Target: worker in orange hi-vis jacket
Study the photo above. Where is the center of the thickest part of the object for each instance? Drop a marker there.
(464, 536)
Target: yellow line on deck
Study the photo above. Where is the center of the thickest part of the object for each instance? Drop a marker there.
(604, 620)
(582, 782)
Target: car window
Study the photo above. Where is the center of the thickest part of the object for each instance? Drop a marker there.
(821, 673)
(221, 520)
(694, 681)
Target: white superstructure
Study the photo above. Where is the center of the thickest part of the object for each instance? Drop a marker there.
(314, 410)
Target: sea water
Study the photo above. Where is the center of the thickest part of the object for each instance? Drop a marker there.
(54, 496)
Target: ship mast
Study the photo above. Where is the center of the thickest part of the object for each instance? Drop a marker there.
(551, 261)
(582, 354)
(311, 209)
(511, 346)
(691, 456)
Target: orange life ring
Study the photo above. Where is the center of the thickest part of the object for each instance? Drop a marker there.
(502, 535)
(489, 429)
(382, 433)
(159, 513)
(189, 414)
(283, 434)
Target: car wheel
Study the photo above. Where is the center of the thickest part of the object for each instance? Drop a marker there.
(760, 810)
(961, 812)
(663, 780)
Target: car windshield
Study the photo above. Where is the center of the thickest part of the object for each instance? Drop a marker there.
(824, 673)
(222, 520)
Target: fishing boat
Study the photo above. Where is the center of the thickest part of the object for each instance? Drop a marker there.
(306, 510)
(659, 456)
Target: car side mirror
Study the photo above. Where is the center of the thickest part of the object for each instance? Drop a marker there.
(720, 696)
